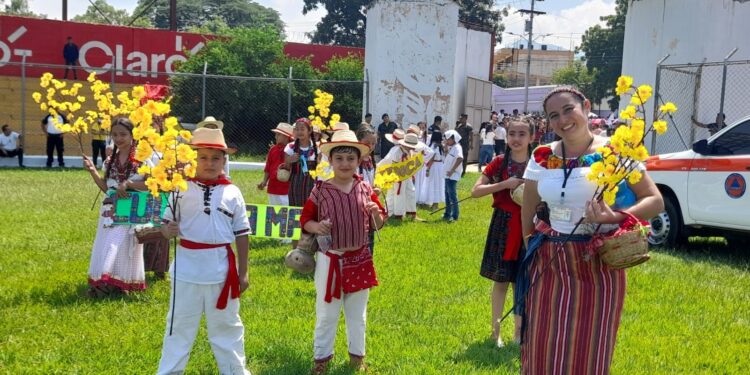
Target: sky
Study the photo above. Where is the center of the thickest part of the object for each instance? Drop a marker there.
(566, 20)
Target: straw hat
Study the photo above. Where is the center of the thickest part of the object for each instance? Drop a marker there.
(300, 261)
(210, 138)
(210, 120)
(344, 138)
(397, 135)
(284, 129)
(340, 126)
(411, 141)
(413, 129)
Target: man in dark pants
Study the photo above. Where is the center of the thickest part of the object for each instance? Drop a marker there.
(466, 132)
(11, 145)
(386, 127)
(70, 54)
(54, 139)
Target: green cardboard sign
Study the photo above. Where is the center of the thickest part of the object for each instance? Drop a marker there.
(280, 222)
(140, 207)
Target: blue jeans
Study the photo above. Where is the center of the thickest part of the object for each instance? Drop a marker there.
(485, 154)
(451, 200)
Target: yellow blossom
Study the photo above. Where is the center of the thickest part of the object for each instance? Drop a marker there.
(170, 122)
(92, 77)
(186, 135)
(660, 126)
(640, 153)
(138, 92)
(628, 112)
(624, 83)
(311, 109)
(143, 151)
(668, 107)
(144, 169)
(644, 92)
(634, 177)
(179, 182)
(37, 97)
(153, 186)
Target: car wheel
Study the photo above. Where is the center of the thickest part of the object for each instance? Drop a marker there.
(666, 227)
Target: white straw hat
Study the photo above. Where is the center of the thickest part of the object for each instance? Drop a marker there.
(344, 138)
(210, 120)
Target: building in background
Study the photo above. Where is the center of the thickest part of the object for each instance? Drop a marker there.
(511, 63)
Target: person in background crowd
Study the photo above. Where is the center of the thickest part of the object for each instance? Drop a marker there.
(466, 132)
(11, 145)
(278, 191)
(98, 142)
(500, 135)
(452, 175)
(54, 139)
(368, 119)
(486, 150)
(433, 190)
(713, 127)
(70, 54)
(436, 126)
(301, 157)
(386, 127)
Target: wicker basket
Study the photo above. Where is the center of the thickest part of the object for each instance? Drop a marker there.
(283, 174)
(146, 234)
(517, 194)
(627, 246)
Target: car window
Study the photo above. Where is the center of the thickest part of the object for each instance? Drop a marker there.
(736, 141)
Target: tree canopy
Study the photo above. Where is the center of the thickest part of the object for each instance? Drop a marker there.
(18, 8)
(197, 13)
(345, 22)
(603, 49)
(102, 12)
(578, 75)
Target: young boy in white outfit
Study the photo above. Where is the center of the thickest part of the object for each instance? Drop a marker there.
(206, 279)
(401, 200)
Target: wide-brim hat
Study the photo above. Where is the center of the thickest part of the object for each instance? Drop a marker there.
(411, 141)
(210, 120)
(284, 129)
(210, 138)
(344, 138)
(340, 126)
(414, 129)
(397, 135)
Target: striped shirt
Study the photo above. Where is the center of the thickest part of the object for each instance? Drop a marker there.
(350, 220)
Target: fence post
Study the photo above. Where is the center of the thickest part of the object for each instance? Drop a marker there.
(112, 79)
(289, 99)
(724, 80)
(367, 91)
(696, 98)
(656, 102)
(203, 92)
(23, 98)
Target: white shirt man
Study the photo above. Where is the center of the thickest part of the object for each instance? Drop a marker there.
(11, 145)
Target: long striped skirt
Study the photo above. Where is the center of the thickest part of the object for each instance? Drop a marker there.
(300, 185)
(572, 312)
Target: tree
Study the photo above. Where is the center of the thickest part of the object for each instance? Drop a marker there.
(345, 22)
(578, 75)
(102, 12)
(20, 8)
(500, 80)
(603, 49)
(196, 13)
(347, 97)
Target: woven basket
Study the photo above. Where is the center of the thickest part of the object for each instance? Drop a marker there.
(626, 247)
(148, 234)
(517, 194)
(283, 174)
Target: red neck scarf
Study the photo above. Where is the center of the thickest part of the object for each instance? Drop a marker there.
(222, 180)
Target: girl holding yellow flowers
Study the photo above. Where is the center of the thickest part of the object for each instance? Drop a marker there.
(575, 299)
(116, 257)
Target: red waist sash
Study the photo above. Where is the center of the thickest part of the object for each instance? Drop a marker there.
(351, 272)
(232, 283)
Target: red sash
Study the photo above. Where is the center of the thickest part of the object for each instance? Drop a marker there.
(232, 283)
(356, 273)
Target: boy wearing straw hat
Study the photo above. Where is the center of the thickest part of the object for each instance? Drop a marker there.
(212, 123)
(342, 210)
(402, 199)
(206, 278)
(278, 191)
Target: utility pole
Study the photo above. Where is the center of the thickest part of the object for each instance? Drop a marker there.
(64, 10)
(173, 15)
(530, 28)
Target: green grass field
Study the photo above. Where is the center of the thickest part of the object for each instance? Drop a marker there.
(686, 311)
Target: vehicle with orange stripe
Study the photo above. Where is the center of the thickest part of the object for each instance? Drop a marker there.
(705, 189)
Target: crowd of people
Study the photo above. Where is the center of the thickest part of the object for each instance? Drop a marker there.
(574, 297)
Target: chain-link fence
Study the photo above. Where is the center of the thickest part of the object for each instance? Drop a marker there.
(700, 91)
(249, 106)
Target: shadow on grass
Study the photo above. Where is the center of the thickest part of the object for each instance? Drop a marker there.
(711, 250)
(486, 355)
(66, 295)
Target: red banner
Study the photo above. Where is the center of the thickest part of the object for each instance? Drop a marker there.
(138, 54)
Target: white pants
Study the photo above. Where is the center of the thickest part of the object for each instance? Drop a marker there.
(327, 315)
(225, 330)
(403, 202)
(278, 200)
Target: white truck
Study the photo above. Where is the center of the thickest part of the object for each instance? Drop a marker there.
(704, 189)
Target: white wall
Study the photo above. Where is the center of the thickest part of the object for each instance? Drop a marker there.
(473, 53)
(690, 31)
(410, 57)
